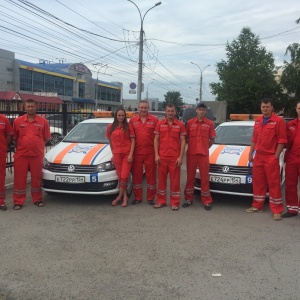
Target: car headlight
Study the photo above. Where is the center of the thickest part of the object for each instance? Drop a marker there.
(46, 164)
(104, 167)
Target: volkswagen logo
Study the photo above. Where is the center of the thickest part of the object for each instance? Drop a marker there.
(225, 169)
(71, 168)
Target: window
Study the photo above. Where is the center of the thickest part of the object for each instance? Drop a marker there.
(38, 82)
(81, 90)
(25, 80)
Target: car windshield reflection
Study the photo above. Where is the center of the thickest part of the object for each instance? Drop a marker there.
(234, 135)
(88, 133)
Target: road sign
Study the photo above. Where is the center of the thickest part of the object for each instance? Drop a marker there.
(132, 91)
(132, 86)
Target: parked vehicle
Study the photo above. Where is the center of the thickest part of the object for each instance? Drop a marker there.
(230, 171)
(81, 162)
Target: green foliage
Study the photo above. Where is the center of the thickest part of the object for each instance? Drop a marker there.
(173, 97)
(246, 76)
(290, 78)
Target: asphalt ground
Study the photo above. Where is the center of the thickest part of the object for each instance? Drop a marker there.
(80, 247)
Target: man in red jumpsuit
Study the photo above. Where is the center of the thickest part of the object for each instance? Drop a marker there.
(144, 156)
(269, 137)
(292, 167)
(31, 132)
(201, 134)
(169, 146)
(6, 133)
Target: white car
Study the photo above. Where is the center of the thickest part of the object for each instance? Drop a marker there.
(230, 171)
(81, 162)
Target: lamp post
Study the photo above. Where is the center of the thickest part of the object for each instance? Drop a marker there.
(147, 89)
(141, 46)
(201, 79)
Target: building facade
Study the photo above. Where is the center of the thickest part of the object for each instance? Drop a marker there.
(73, 83)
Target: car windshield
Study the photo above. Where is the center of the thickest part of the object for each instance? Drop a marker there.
(88, 133)
(234, 135)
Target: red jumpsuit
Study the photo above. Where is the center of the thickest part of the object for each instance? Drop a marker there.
(144, 156)
(292, 167)
(266, 172)
(121, 144)
(199, 134)
(169, 151)
(31, 138)
(5, 131)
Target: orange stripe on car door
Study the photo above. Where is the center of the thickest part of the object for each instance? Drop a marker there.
(243, 161)
(214, 156)
(58, 159)
(89, 156)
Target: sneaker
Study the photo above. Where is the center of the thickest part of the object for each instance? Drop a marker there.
(277, 217)
(253, 209)
(187, 203)
(3, 207)
(151, 202)
(288, 215)
(207, 206)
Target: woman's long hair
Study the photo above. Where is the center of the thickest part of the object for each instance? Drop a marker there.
(115, 122)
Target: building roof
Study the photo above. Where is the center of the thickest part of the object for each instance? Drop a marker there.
(12, 95)
(56, 68)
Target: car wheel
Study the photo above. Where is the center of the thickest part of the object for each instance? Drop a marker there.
(54, 139)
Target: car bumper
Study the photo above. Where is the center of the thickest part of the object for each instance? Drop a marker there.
(105, 183)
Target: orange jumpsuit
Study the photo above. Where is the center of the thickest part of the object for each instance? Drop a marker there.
(144, 156)
(5, 130)
(121, 144)
(169, 151)
(292, 167)
(266, 172)
(30, 138)
(199, 134)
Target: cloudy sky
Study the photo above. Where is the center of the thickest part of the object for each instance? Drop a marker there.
(106, 32)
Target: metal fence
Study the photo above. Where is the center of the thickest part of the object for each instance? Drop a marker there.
(61, 117)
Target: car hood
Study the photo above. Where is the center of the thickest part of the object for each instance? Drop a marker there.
(79, 154)
(231, 155)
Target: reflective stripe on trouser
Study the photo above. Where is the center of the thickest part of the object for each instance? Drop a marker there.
(167, 166)
(2, 178)
(292, 175)
(123, 168)
(202, 162)
(22, 164)
(147, 160)
(266, 174)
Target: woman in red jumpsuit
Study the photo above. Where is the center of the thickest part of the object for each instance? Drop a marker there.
(122, 142)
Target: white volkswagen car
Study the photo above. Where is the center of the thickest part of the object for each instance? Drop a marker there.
(230, 171)
(81, 162)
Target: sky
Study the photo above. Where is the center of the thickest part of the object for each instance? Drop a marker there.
(104, 35)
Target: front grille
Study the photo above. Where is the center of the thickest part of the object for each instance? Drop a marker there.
(79, 169)
(236, 188)
(80, 187)
(234, 170)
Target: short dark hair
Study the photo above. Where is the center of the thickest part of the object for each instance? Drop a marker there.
(266, 100)
(30, 101)
(171, 105)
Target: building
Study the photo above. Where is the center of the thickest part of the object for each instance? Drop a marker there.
(71, 82)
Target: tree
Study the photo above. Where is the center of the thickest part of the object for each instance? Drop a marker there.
(174, 98)
(247, 76)
(290, 78)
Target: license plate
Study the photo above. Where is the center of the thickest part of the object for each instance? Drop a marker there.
(69, 179)
(225, 179)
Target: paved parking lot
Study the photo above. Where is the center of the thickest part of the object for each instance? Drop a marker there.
(80, 247)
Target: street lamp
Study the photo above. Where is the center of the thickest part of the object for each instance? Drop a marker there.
(147, 89)
(141, 45)
(201, 80)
